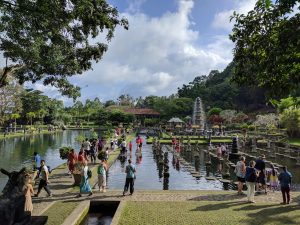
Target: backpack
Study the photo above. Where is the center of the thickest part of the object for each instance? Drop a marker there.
(89, 173)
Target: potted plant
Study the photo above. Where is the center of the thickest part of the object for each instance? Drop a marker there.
(64, 152)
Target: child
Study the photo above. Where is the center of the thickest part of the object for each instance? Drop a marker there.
(28, 191)
(273, 178)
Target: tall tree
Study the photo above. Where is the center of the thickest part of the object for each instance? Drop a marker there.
(267, 47)
(10, 101)
(53, 40)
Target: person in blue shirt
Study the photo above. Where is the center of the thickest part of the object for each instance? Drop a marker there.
(37, 161)
(130, 176)
(285, 179)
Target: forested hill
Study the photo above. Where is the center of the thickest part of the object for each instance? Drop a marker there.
(216, 90)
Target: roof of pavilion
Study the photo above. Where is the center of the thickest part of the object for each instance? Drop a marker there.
(144, 111)
(175, 120)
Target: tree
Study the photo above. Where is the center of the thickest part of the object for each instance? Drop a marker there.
(10, 101)
(214, 111)
(53, 40)
(267, 47)
(268, 120)
(228, 115)
(30, 116)
(15, 116)
(290, 119)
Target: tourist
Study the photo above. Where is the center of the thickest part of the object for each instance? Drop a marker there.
(112, 144)
(102, 168)
(93, 152)
(36, 161)
(100, 144)
(260, 165)
(44, 174)
(273, 178)
(285, 179)
(28, 191)
(130, 176)
(81, 156)
(72, 159)
(219, 151)
(86, 146)
(106, 154)
(138, 142)
(84, 184)
(240, 171)
(130, 146)
(250, 177)
(223, 149)
(123, 146)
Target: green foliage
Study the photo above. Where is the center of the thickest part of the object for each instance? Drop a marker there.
(64, 152)
(151, 121)
(216, 90)
(286, 103)
(53, 40)
(290, 119)
(266, 52)
(214, 111)
(80, 138)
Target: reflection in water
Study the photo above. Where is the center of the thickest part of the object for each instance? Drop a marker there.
(97, 219)
(16, 153)
(151, 172)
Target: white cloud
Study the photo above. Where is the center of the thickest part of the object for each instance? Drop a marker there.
(156, 55)
(222, 19)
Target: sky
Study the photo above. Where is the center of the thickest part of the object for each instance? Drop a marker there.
(168, 44)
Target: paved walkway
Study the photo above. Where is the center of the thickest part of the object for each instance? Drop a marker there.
(61, 186)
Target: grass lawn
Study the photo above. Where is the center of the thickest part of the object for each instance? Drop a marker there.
(294, 141)
(58, 211)
(208, 212)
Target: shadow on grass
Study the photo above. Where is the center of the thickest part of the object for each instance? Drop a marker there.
(218, 206)
(218, 197)
(258, 213)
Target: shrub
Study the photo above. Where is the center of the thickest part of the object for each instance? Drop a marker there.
(64, 152)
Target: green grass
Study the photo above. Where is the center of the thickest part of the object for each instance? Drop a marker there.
(209, 212)
(58, 211)
(21, 134)
(294, 141)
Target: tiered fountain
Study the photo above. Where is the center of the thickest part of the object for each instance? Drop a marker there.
(198, 114)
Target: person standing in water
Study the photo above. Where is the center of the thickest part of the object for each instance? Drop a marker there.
(130, 177)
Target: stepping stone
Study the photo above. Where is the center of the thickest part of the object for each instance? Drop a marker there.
(210, 178)
(197, 175)
(225, 181)
(194, 172)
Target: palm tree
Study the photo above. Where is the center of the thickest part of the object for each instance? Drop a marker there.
(15, 116)
(30, 115)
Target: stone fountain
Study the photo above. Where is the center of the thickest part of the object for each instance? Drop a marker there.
(198, 114)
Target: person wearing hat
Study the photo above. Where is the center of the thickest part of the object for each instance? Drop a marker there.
(260, 165)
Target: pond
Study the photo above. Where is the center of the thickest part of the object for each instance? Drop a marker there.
(16, 153)
(149, 174)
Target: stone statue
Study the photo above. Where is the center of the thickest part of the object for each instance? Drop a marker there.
(226, 167)
(13, 200)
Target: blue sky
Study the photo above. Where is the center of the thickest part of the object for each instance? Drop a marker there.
(168, 43)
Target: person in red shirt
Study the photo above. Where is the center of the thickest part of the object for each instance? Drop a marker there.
(130, 146)
(72, 159)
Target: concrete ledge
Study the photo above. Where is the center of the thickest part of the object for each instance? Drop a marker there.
(118, 213)
(78, 213)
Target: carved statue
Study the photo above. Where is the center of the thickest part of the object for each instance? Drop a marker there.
(13, 200)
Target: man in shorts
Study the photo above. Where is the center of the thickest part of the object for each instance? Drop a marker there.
(260, 165)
